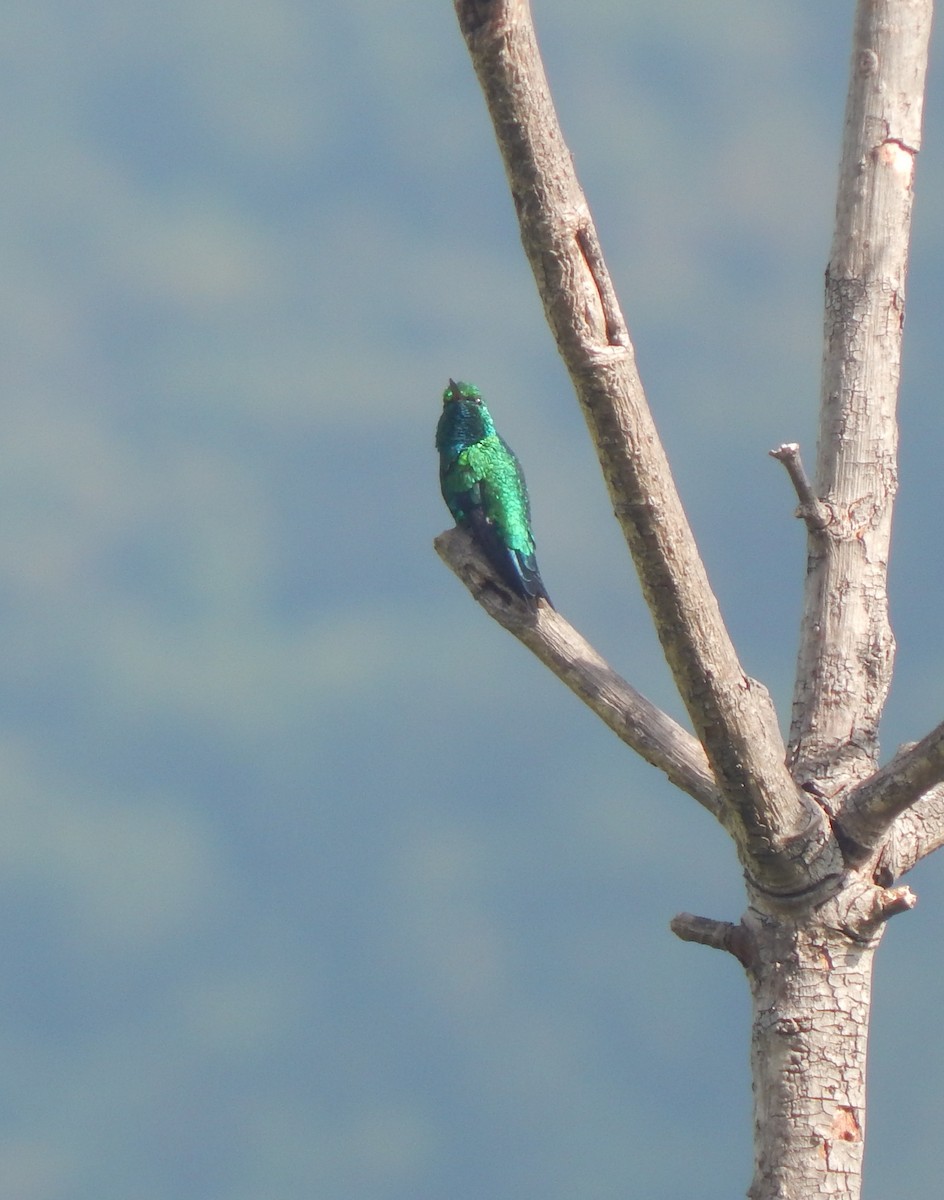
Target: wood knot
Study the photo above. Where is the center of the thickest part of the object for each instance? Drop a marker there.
(868, 62)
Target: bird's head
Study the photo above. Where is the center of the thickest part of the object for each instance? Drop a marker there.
(461, 391)
(465, 413)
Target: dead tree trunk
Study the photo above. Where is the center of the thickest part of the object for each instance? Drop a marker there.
(821, 833)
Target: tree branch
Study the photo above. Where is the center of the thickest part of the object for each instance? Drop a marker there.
(862, 908)
(918, 832)
(781, 834)
(846, 643)
(815, 514)
(719, 935)
(649, 731)
(868, 810)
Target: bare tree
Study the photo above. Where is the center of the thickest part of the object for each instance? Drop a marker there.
(822, 834)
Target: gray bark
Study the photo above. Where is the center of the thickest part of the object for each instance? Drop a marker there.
(846, 643)
(820, 832)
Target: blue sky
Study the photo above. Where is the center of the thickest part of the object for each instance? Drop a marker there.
(314, 883)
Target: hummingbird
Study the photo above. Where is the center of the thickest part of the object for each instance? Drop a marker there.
(484, 489)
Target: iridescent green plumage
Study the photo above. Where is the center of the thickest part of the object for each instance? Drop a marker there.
(483, 485)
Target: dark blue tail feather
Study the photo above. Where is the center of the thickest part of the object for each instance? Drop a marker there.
(517, 570)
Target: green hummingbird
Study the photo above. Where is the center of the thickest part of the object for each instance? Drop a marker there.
(484, 489)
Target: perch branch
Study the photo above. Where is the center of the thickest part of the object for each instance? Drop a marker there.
(649, 731)
(781, 833)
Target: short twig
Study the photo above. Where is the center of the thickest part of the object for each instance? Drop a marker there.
(811, 509)
(865, 909)
(720, 935)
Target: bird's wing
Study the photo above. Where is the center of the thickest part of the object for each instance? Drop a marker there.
(519, 475)
(461, 482)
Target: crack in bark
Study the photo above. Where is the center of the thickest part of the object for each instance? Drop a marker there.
(616, 331)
